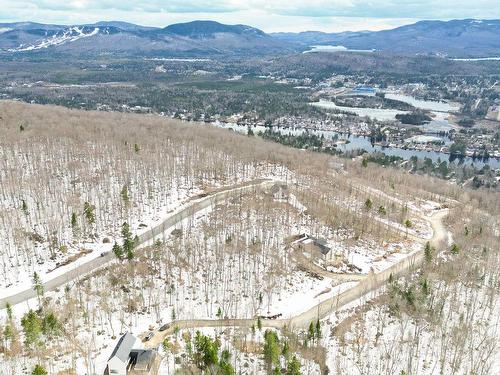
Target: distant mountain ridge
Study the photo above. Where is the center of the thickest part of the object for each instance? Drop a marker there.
(456, 38)
(200, 29)
(197, 37)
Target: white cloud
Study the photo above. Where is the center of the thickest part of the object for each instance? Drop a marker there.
(291, 15)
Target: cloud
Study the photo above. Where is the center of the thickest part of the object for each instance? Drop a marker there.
(311, 8)
(294, 15)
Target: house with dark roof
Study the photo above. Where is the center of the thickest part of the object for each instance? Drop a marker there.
(314, 246)
(279, 191)
(127, 360)
(142, 362)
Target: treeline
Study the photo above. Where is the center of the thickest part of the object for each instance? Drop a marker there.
(414, 118)
(303, 140)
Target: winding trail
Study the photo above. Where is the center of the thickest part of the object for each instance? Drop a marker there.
(365, 285)
(369, 283)
(197, 204)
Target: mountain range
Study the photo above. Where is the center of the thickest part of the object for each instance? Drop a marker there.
(456, 38)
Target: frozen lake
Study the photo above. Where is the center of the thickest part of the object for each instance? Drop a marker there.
(424, 104)
(363, 143)
(373, 113)
(439, 111)
(329, 48)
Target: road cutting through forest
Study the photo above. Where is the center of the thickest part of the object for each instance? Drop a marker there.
(197, 204)
(370, 283)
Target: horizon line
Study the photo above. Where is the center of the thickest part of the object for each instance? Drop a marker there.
(233, 24)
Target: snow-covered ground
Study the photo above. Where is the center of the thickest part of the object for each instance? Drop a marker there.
(50, 268)
(65, 36)
(367, 256)
(231, 257)
(241, 343)
(36, 224)
(370, 340)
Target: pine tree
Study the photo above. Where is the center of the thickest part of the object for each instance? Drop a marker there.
(37, 285)
(225, 363)
(293, 367)
(50, 325)
(32, 328)
(24, 207)
(285, 352)
(271, 348)
(39, 370)
(74, 221)
(318, 329)
(219, 313)
(124, 194)
(311, 332)
(428, 252)
(8, 332)
(118, 251)
(206, 351)
(368, 204)
(8, 307)
(424, 284)
(88, 211)
(455, 249)
(128, 242)
(408, 225)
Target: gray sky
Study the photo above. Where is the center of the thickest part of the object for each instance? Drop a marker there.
(269, 15)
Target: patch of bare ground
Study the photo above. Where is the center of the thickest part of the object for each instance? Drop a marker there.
(71, 259)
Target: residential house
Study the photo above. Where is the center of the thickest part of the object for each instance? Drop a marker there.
(279, 191)
(315, 246)
(128, 360)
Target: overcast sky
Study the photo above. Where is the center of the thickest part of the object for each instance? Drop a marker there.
(268, 15)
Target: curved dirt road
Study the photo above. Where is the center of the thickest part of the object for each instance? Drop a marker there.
(171, 221)
(370, 283)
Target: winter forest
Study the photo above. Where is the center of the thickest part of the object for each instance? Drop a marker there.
(229, 254)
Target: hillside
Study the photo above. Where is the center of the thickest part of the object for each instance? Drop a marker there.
(456, 38)
(199, 37)
(165, 228)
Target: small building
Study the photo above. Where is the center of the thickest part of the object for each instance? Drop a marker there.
(493, 113)
(118, 361)
(364, 90)
(127, 360)
(142, 361)
(279, 191)
(315, 246)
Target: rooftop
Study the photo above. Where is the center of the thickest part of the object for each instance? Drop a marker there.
(123, 347)
(140, 359)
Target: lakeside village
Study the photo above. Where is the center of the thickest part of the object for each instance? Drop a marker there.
(409, 117)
